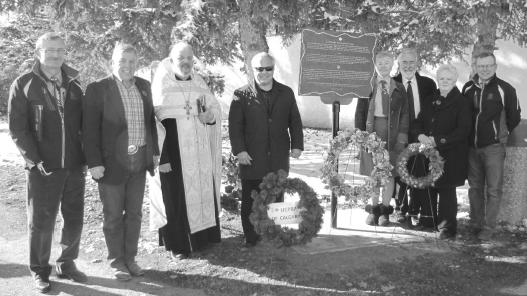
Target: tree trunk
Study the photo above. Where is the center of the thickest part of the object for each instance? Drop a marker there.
(252, 34)
(486, 30)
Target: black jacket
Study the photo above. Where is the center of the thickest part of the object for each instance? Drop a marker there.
(106, 130)
(496, 111)
(60, 143)
(448, 121)
(267, 135)
(426, 87)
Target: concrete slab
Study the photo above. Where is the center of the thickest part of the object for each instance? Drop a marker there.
(353, 233)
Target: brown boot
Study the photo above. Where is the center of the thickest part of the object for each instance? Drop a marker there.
(385, 212)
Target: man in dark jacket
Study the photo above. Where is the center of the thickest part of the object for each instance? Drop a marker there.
(264, 125)
(45, 120)
(418, 88)
(496, 113)
(120, 141)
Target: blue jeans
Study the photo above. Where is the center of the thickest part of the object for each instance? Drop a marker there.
(123, 211)
(485, 175)
(64, 188)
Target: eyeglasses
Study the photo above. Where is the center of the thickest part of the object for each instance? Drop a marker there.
(405, 63)
(261, 69)
(485, 67)
(53, 50)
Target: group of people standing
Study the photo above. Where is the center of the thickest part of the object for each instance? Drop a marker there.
(469, 128)
(123, 127)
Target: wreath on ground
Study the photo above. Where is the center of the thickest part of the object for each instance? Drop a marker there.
(367, 142)
(272, 186)
(435, 167)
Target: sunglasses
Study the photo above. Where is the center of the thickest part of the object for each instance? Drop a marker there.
(261, 69)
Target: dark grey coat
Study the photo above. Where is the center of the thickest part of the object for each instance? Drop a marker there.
(449, 121)
(266, 134)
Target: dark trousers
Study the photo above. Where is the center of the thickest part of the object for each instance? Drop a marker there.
(122, 209)
(485, 179)
(419, 200)
(447, 211)
(247, 203)
(64, 188)
(401, 196)
(427, 202)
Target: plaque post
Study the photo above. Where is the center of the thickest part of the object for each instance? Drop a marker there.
(336, 120)
(337, 67)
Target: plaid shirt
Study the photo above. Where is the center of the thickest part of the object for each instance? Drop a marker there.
(134, 113)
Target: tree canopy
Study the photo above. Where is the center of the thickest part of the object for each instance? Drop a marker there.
(229, 30)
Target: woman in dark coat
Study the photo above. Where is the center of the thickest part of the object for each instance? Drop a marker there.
(446, 124)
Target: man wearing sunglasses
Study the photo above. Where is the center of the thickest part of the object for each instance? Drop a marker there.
(45, 121)
(265, 128)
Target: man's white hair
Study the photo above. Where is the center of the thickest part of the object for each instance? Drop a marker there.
(408, 51)
(178, 47)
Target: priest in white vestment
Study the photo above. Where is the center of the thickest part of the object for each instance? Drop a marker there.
(190, 166)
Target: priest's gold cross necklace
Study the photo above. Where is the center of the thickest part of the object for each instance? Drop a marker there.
(186, 96)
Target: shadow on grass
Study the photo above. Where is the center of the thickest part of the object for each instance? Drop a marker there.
(13, 270)
(283, 271)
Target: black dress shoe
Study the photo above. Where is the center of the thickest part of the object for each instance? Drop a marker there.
(446, 235)
(249, 244)
(72, 273)
(42, 284)
(179, 256)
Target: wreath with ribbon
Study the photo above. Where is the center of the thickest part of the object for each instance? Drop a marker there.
(435, 167)
(369, 143)
(272, 186)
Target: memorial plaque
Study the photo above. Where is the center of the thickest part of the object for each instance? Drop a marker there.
(336, 64)
(284, 212)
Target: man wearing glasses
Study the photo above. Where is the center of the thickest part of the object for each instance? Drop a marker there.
(265, 128)
(45, 121)
(496, 114)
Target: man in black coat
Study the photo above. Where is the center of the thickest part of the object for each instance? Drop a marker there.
(418, 88)
(120, 141)
(264, 126)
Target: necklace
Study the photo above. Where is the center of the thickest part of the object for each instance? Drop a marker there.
(186, 96)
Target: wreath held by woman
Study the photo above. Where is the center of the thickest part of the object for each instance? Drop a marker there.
(435, 166)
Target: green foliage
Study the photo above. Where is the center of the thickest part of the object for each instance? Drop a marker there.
(226, 30)
(231, 179)
(16, 53)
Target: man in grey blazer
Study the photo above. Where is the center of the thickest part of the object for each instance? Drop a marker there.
(120, 142)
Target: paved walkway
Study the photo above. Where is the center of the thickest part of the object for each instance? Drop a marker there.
(15, 279)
